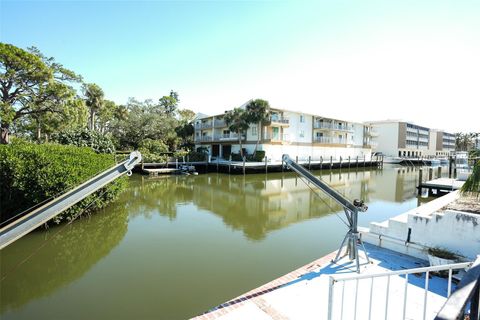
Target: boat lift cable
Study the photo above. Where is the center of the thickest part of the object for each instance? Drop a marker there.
(49, 210)
(351, 210)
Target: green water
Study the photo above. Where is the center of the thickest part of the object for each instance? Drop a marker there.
(173, 247)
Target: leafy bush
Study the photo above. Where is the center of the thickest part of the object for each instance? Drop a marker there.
(257, 157)
(86, 138)
(236, 157)
(196, 156)
(31, 173)
(153, 151)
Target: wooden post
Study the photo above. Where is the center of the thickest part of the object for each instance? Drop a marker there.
(266, 164)
(183, 159)
(217, 163)
(349, 161)
(340, 162)
(439, 172)
(357, 161)
(331, 162)
(455, 173)
(230, 164)
(420, 182)
(364, 159)
(430, 173)
(243, 165)
(176, 163)
(321, 162)
(309, 162)
(296, 159)
(206, 163)
(450, 161)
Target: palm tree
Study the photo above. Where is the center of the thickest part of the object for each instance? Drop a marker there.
(94, 100)
(472, 185)
(258, 112)
(238, 121)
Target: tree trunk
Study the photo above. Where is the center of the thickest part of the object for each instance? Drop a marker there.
(240, 143)
(38, 133)
(5, 134)
(92, 119)
(258, 138)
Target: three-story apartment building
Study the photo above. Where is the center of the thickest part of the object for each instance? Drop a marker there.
(298, 134)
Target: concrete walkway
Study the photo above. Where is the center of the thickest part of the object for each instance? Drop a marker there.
(303, 294)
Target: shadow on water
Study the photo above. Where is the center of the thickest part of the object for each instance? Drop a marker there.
(66, 256)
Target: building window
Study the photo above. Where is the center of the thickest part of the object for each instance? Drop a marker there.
(254, 131)
(302, 133)
(302, 118)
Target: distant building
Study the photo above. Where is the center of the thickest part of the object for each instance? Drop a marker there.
(295, 133)
(405, 139)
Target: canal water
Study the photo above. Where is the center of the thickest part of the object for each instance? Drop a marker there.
(173, 247)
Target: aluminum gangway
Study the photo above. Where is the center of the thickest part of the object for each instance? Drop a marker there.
(49, 210)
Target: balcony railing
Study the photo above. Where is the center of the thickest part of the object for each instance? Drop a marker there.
(277, 137)
(226, 137)
(332, 126)
(203, 139)
(372, 133)
(203, 125)
(279, 120)
(331, 140)
(219, 123)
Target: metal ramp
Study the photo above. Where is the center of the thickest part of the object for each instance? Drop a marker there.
(49, 210)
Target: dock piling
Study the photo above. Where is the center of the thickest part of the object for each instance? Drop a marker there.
(309, 162)
(420, 172)
(266, 164)
(230, 164)
(439, 172)
(331, 162)
(430, 173)
(349, 161)
(243, 165)
(357, 161)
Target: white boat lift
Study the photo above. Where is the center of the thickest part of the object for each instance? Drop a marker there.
(49, 210)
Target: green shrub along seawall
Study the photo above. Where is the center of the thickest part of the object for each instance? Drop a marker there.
(31, 173)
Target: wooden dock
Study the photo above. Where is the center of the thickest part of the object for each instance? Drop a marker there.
(440, 186)
(243, 167)
(157, 171)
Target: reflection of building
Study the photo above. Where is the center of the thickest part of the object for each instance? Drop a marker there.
(295, 133)
(403, 139)
(396, 185)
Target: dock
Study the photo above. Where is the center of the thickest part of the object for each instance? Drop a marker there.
(323, 290)
(157, 171)
(441, 186)
(244, 167)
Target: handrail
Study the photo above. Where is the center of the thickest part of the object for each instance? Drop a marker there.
(468, 290)
(404, 271)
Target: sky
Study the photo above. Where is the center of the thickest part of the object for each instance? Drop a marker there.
(417, 61)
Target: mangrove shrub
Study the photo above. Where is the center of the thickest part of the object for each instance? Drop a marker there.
(31, 173)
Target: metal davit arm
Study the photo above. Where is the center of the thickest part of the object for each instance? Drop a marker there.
(351, 210)
(49, 210)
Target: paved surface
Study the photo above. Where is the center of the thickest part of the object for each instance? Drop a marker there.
(303, 294)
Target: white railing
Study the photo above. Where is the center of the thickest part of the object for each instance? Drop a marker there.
(332, 126)
(336, 280)
(203, 125)
(331, 140)
(278, 119)
(231, 136)
(203, 139)
(219, 123)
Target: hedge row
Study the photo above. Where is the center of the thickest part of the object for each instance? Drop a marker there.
(31, 173)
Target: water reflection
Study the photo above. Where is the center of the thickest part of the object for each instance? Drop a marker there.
(65, 257)
(258, 204)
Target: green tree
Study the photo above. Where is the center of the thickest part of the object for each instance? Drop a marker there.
(94, 99)
(238, 121)
(258, 111)
(31, 85)
(106, 115)
(169, 103)
(472, 185)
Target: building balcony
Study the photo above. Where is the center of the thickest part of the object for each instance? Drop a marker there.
(372, 133)
(331, 140)
(219, 123)
(275, 138)
(332, 126)
(203, 125)
(280, 121)
(203, 139)
(227, 137)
